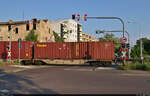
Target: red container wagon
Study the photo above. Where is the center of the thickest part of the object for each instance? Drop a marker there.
(25, 50)
(51, 50)
(74, 52)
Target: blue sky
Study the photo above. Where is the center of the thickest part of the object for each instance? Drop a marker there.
(129, 10)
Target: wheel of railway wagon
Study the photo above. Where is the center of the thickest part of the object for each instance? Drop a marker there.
(107, 64)
(26, 62)
(96, 64)
(38, 62)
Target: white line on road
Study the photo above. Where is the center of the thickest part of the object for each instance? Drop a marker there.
(4, 91)
(79, 69)
(107, 68)
(2, 75)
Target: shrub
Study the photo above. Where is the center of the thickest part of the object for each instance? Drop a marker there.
(135, 66)
(147, 66)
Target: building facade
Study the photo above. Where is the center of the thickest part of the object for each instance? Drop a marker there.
(66, 29)
(85, 37)
(18, 29)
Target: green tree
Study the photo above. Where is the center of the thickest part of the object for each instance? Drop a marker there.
(146, 44)
(135, 53)
(57, 37)
(32, 36)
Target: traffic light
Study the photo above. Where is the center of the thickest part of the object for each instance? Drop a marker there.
(27, 25)
(34, 23)
(9, 27)
(128, 45)
(123, 45)
(73, 16)
(85, 15)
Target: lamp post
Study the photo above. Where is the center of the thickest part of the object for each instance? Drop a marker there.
(140, 38)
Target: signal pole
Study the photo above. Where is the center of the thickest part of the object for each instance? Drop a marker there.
(117, 18)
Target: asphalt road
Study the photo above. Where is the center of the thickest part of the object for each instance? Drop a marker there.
(74, 80)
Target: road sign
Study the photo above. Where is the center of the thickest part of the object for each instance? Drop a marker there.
(123, 39)
(9, 54)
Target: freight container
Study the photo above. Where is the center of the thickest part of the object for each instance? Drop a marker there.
(96, 51)
(25, 50)
(52, 50)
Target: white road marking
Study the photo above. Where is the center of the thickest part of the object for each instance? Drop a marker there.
(21, 66)
(107, 68)
(2, 75)
(80, 69)
(4, 91)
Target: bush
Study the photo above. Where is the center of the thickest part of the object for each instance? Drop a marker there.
(140, 66)
(147, 66)
(135, 66)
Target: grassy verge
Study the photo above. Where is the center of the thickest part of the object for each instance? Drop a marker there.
(9, 63)
(135, 66)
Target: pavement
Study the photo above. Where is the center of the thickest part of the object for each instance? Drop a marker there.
(73, 80)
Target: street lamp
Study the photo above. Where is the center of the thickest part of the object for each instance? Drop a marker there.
(140, 38)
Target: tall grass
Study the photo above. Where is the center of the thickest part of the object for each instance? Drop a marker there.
(135, 66)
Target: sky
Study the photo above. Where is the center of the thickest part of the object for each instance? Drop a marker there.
(135, 11)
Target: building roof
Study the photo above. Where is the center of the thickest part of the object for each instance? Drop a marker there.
(18, 22)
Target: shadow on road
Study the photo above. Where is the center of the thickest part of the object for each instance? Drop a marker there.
(15, 84)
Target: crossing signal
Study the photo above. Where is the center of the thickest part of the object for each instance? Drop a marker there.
(123, 45)
(126, 50)
(78, 17)
(126, 58)
(128, 45)
(85, 19)
(73, 16)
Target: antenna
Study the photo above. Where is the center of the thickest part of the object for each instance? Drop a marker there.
(23, 15)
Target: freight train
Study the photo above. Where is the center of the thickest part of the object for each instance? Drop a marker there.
(59, 52)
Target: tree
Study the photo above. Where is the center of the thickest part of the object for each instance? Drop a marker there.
(57, 37)
(145, 43)
(32, 36)
(135, 53)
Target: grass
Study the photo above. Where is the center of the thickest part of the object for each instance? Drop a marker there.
(6, 63)
(135, 66)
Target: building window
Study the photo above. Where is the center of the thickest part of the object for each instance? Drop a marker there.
(70, 31)
(49, 30)
(1, 38)
(16, 30)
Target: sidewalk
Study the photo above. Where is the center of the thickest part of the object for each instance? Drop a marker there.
(10, 69)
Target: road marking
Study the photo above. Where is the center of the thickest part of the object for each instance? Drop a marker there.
(4, 91)
(21, 66)
(79, 69)
(131, 74)
(2, 75)
(106, 68)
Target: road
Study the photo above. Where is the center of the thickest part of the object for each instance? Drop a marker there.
(74, 80)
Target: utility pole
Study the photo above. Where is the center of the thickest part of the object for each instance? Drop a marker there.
(140, 38)
(141, 49)
(116, 18)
